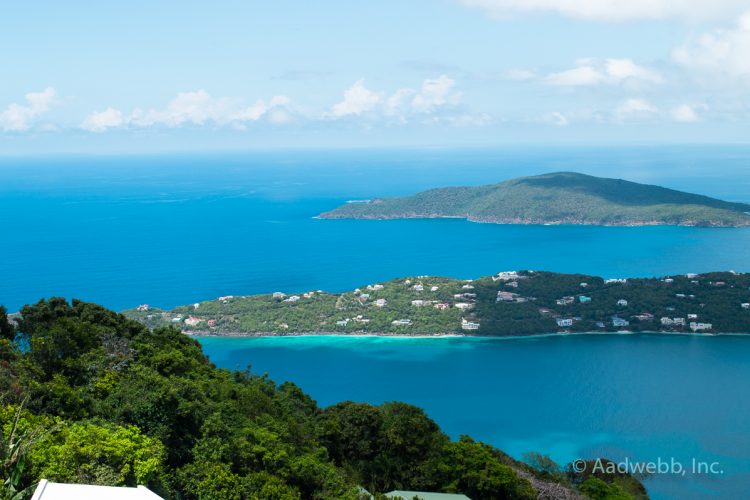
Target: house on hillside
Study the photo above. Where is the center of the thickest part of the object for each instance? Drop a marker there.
(506, 296)
(469, 325)
(622, 303)
(401, 322)
(583, 299)
(618, 322)
(381, 303)
(193, 321)
(564, 322)
(699, 327)
(745, 305)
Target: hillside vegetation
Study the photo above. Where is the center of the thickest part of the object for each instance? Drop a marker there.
(89, 396)
(510, 303)
(556, 198)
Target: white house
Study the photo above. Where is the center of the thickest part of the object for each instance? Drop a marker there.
(193, 321)
(667, 321)
(381, 302)
(401, 322)
(293, 298)
(469, 325)
(418, 303)
(278, 295)
(434, 288)
(700, 326)
(418, 287)
(622, 303)
(62, 491)
(463, 305)
(564, 322)
(746, 305)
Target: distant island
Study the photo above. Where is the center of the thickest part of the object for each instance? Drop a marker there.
(556, 198)
(506, 304)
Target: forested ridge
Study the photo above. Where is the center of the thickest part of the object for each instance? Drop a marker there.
(556, 198)
(507, 304)
(90, 396)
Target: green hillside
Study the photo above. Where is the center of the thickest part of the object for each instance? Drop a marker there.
(556, 198)
(506, 304)
(89, 396)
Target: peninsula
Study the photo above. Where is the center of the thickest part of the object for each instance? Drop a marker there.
(556, 198)
(506, 304)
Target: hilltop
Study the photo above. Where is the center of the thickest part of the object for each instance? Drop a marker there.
(556, 198)
(89, 396)
(506, 304)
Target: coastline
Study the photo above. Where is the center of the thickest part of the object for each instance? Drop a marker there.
(455, 335)
(525, 222)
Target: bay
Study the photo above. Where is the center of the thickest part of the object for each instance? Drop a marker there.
(641, 398)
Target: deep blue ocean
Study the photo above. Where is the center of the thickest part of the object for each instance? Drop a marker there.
(173, 229)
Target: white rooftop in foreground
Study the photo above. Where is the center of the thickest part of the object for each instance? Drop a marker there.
(62, 491)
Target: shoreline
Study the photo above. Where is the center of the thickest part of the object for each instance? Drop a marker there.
(455, 335)
(513, 222)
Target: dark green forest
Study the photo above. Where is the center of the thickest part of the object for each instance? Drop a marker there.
(556, 198)
(90, 396)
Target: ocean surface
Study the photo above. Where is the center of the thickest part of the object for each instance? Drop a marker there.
(174, 229)
(640, 398)
(170, 230)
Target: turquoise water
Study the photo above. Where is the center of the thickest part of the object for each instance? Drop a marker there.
(639, 397)
(170, 230)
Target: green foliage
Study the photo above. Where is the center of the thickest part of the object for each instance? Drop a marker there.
(715, 297)
(7, 330)
(111, 402)
(83, 452)
(557, 198)
(476, 470)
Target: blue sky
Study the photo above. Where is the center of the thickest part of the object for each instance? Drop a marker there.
(158, 76)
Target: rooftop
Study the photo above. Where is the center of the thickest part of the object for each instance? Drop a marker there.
(422, 495)
(61, 491)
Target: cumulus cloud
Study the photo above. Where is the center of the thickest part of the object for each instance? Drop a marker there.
(725, 51)
(20, 117)
(433, 96)
(99, 121)
(604, 71)
(635, 109)
(357, 100)
(684, 113)
(615, 10)
(192, 108)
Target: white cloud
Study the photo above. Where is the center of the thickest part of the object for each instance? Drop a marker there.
(723, 51)
(19, 117)
(99, 121)
(604, 71)
(616, 10)
(357, 100)
(635, 109)
(192, 108)
(684, 113)
(556, 119)
(583, 75)
(434, 94)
